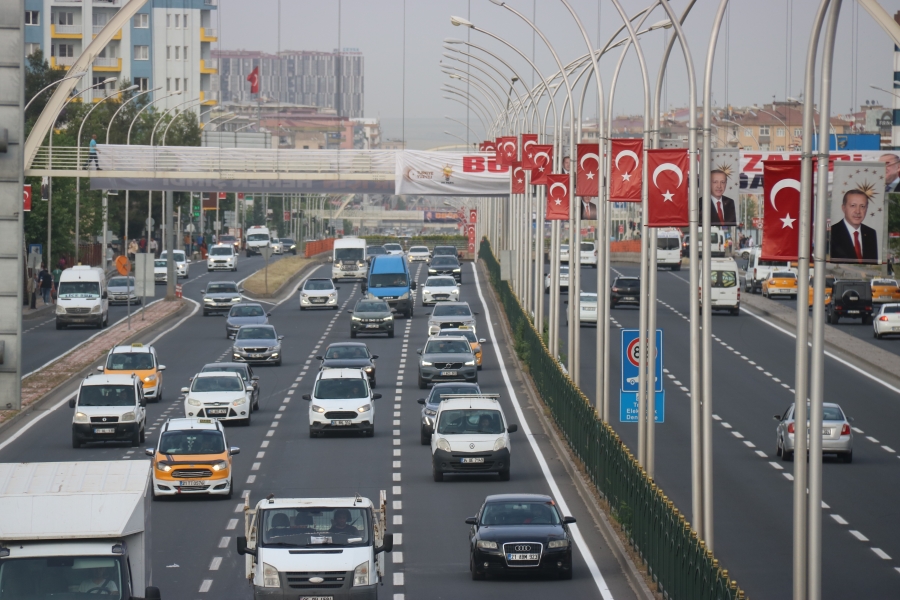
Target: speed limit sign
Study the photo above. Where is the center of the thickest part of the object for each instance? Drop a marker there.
(631, 356)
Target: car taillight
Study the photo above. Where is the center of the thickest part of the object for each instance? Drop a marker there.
(615, 289)
(845, 430)
(790, 428)
(883, 318)
(754, 274)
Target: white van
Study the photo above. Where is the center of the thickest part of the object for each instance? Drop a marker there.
(182, 263)
(349, 259)
(589, 254)
(258, 237)
(716, 241)
(109, 408)
(726, 286)
(668, 249)
(222, 256)
(758, 270)
(82, 298)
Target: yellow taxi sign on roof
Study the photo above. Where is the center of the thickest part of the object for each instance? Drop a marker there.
(137, 345)
(204, 420)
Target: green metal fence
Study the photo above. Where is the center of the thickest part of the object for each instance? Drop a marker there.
(675, 557)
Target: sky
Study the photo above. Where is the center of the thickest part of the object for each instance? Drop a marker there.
(760, 55)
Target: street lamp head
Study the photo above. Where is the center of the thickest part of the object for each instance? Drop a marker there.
(453, 41)
(131, 87)
(498, 2)
(109, 80)
(514, 79)
(457, 21)
(665, 24)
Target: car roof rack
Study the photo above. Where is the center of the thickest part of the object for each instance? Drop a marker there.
(487, 396)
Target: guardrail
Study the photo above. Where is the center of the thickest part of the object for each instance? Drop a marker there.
(675, 557)
(318, 246)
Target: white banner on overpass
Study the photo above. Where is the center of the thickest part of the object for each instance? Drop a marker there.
(449, 174)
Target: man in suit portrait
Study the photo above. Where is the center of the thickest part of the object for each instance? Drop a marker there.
(851, 241)
(891, 173)
(588, 209)
(723, 210)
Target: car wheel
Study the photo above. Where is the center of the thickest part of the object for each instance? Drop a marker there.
(205, 314)
(479, 367)
(352, 334)
(476, 574)
(246, 422)
(786, 456)
(76, 443)
(278, 364)
(848, 458)
(390, 334)
(143, 435)
(301, 308)
(875, 333)
(234, 269)
(369, 432)
(256, 405)
(504, 474)
(313, 433)
(835, 319)
(60, 325)
(424, 438)
(565, 572)
(136, 438)
(777, 448)
(793, 296)
(422, 384)
(436, 474)
(373, 383)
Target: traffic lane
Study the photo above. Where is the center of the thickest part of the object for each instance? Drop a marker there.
(436, 563)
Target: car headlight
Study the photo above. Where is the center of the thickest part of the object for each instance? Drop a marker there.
(369, 369)
(500, 444)
(405, 296)
(444, 445)
(430, 412)
(208, 301)
(163, 468)
(486, 545)
(239, 401)
(361, 574)
(387, 319)
(355, 318)
(276, 348)
(457, 270)
(222, 465)
(193, 402)
(425, 363)
(558, 544)
(235, 350)
(127, 417)
(317, 408)
(80, 417)
(304, 295)
(364, 408)
(332, 295)
(95, 309)
(238, 299)
(60, 310)
(470, 363)
(270, 576)
(150, 378)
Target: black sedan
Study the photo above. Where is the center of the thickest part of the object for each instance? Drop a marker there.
(349, 355)
(371, 316)
(430, 404)
(289, 245)
(446, 265)
(520, 533)
(625, 290)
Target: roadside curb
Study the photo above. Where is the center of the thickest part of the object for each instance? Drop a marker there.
(38, 313)
(632, 573)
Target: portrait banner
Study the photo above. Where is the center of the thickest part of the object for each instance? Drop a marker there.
(858, 215)
(725, 165)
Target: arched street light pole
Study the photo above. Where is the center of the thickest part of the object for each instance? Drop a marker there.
(78, 75)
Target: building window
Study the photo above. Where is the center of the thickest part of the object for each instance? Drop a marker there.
(177, 52)
(177, 83)
(763, 130)
(142, 53)
(177, 21)
(185, 84)
(779, 148)
(748, 132)
(32, 17)
(185, 53)
(168, 84)
(764, 147)
(64, 18)
(31, 48)
(142, 21)
(168, 21)
(184, 20)
(143, 83)
(99, 19)
(798, 132)
(62, 50)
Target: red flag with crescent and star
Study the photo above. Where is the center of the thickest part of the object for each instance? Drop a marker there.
(588, 173)
(625, 170)
(557, 197)
(529, 140)
(507, 151)
(667, 190)
(518, 178)
(781, 226)
(487, 146)
(253, 78)
(543, 163)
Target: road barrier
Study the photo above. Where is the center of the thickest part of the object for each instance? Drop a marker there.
(675, 557)
(319, 246)
(625, 246)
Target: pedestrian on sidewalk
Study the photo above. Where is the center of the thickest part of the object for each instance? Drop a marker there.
(92, 154)
(132, 249)
(890, 265)
(46, 284)
(154, 247)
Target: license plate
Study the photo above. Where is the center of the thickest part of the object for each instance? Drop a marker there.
(628, 298)
(826, 432)
(105, 430)
(215, 412)
(468, 461)
(852, 312)
(318, 300)
(372, 326)
(895, 328)
(885, 296)
(341, 423)
(448, 373)
(191, 483)
(316, 597)
(255, 355)
(523, 557)
(589, 309)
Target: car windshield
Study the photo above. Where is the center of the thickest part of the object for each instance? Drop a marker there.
(587, 247)
(179, 256)
(192, 441)
(256, 333)
(667, 243)
(372, 307)
(227, 239)
(564, 269)
(444, 261)
(832, 413)
(346, 352)
(564, 247)
(79, 289)
(519, 513)
(318, 284)
(221, 288)
(445, 250)
(448, 347)
(588, 297)
(218, 383)
(784, 275)
(341, 389)
(48, 578)
(452, 310)
(435, 395)
(258, 237)
(372, 250)
(393, 247)
(470, 420)
(106, 395)
(466, 333)
(315, 526)
(723, 279)
(287, 241)
(440, 282)
(238, 370)
(247, 311)
(348, 254)
(121, 282)
(223, 251)
(161, 263)
(419, 250)
(387, 280)
(130, 361)
(884, 282)
(627, 282)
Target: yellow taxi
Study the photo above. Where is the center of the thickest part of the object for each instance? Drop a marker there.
(469, 334)
(192, 458)
(885, 290)
(140, 360)
(829, 286)
(780, 283)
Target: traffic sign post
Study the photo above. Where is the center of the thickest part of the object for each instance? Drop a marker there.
(628, 407)
(628, 390)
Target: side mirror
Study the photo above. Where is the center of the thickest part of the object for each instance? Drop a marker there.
(202, 292)
(421, 401)
(320, 358)
(482, 341)
(104, 295)
(306, 397)
(376, 396)
(268, 314)
(72, 402)
(100, 368)
(568, 520)
(161, 368)
(476, 314)
(337, 287)
(512, 428)
(151, 593)
(234, 450)
(280, 337)
(388, 544)
(471, 521)
(418, 351)
(149, 451)
(143, 402)
(349, 312)
(254, 378)
(242, 548)
(185, 390)
(777, 417)
(374, 356)
(851, 419)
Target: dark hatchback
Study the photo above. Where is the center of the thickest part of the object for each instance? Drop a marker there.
(430, 404)
(371, 316)
(349, 355)
(625, 290)
(520, 533)
(373, 251)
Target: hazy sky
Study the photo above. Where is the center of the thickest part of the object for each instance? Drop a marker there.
(758, 56)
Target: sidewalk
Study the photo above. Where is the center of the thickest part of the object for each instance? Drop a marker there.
(42, 311)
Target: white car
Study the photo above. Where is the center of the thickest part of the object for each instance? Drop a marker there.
(342, 400)
(564, 253)
(471, 435)
(109, 408)
(589, 254)
(395, 249)
(319, 293)
(277, 246)
(161, 270)
(182, 263)
(418, 254)
(440, 288)
(588, 308)
(222, 256)
(887, 321)
(217, 395)
(563, 279)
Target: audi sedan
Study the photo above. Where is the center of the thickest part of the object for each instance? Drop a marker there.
(520, 533)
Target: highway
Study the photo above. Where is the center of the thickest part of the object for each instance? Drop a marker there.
(753, 375)
(193, 552)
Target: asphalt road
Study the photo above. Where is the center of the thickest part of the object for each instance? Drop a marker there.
(193, 552)
(753, 374)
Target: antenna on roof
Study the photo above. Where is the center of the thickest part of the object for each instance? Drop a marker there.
(271, 498)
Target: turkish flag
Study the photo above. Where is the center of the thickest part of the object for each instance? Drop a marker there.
(625, 170)
(487, 146)
(507, 151)
(557, 197)
(781, 194)
(667, 190)
(528, 142)
(588, 172)
(26, 197)
(543, 163)
(253, 78)
(518, 178)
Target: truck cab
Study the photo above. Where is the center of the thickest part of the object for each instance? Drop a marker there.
(349, 259)
(315, 547)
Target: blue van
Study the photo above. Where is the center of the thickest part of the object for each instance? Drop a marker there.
(389, 281)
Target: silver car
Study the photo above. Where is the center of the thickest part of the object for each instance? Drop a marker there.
(121, 291)
(442, 288)
(451, 315)
(837, 435)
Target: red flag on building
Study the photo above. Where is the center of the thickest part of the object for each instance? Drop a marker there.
(253, 78)
(625, 170)
(588, 172)
(507, 151)
(667, 190)
(26, 197)
(518, 178)
(558, 197)
(781, 193)
(487, 146)
(543, 163)
(529, 140)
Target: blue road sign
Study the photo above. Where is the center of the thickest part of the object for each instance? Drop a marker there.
(630, 352)
(628, 407)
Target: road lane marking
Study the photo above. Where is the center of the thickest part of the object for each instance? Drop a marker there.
(776, 465)
(216, 562)
(881, 554)
(749, 444)
(396, 490)
(839, 519)
(761, 454)
(737, 435)
(871, 439)
(204, 587)
(788, 476)
(251, 478)
(398, 579)
(232, 524)
(858, 535)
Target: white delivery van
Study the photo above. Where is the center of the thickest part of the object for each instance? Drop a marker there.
(182, 263)
(589, 254)
(668, 249)
(75, 530)
(82, 298)
(349, 259)
(258, 237)
(716, 241)
(758, 270)
(109, 408)
(726, 286)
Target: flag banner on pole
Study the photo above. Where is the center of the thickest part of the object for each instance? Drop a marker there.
(529, 140)
(859, 213)
(543, 163)
(253, 78)
(588, 172)
(487, 146)
(518, 178)
(781, 226)
(507, 151)
(625, 170)
(728, 162)
(667, 190)
(558, 197)
(449, 174)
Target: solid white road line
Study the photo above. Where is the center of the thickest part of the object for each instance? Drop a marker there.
(545, 469)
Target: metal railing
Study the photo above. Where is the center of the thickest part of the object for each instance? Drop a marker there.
(102, 61)
(209, 32)
(67, 29)
(675, 557)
